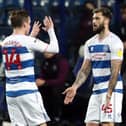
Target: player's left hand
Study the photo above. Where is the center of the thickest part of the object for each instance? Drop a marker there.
(35, 29)
(48, 23)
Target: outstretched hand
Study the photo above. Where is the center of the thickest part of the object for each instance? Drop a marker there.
(70, 94)
(48, 23)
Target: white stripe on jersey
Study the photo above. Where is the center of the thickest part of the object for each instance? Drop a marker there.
(21, 86)
(22, 72)
(105, 85)
(103, 72)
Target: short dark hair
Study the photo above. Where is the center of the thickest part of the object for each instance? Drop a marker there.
(105, 12)
(17, 17)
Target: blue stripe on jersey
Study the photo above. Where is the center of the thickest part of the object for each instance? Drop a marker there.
(101, 64)
(105, 90)
(19, 93)
(99, 48)
(18, 79)
(19, 50)
(23, 65)
(101, 79)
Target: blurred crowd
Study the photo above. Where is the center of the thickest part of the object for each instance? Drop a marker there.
(55, 72)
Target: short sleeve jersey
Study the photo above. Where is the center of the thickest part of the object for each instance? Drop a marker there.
(100, 53)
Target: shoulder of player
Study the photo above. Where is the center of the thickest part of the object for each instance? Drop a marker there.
(115, 38)
(6, 38)
(26, 38)
(115, 42)
(14, 39)
(91, 40)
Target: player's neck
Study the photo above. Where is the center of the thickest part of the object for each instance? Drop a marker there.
(104, 34)
(19, 31)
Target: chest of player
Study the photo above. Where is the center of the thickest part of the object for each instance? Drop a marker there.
(99, 52)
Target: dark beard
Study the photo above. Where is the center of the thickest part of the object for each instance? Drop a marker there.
(99, 29)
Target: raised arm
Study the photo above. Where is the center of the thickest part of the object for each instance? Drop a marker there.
(83, 73)
(42, 46)
(49, 27)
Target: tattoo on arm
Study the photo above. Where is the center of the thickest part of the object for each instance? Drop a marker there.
(83, 73)
(115, 68)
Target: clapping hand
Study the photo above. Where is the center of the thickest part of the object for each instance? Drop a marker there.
(70, 94)
(48, 23)
(35, 29)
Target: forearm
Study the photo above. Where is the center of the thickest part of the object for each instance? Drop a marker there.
(53, 45)
(112, 84)
(114, 77)
(81, 77)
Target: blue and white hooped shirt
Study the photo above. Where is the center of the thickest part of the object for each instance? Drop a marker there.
(100, 53)
(18, 57)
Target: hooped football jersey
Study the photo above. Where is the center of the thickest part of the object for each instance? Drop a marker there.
(100, 53)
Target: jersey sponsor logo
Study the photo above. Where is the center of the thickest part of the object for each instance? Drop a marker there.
(99, 56)
(99, 49)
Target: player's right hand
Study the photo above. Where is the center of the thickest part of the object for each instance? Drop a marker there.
(70, 94)
(48, 23)
(35, 29)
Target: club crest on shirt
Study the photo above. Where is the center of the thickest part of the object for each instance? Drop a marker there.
(105, 48)
(92, 48)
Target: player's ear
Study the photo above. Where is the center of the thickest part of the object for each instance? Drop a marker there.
(24, 24)
(106, 21)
